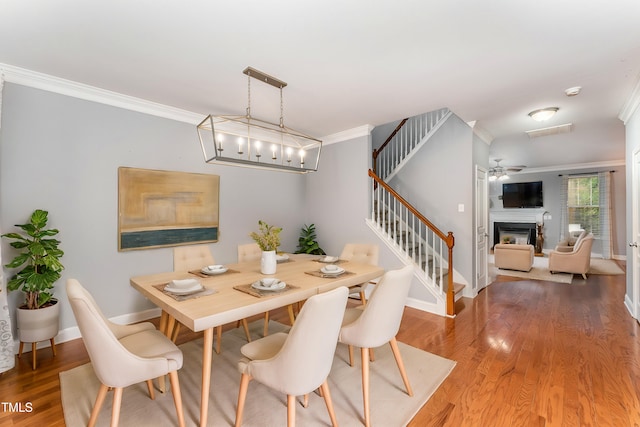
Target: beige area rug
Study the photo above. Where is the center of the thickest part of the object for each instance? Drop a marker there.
(604, 266)
(390, 405)
(540, 270)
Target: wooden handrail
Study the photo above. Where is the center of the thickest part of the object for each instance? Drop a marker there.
(377, 151)
(448, 238)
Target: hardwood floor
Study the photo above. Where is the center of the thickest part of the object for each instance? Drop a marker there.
(528, 353)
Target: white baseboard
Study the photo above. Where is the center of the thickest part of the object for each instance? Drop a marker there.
(72, 333)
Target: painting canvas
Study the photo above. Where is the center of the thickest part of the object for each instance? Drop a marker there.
(164, 208)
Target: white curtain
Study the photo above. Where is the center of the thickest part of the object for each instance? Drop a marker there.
(7, 358)
(564, 217)
(604, 182)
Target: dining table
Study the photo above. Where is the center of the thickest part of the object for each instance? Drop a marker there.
(229, 296)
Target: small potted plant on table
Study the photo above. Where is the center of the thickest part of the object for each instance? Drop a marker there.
(39, 257)
(268, 239)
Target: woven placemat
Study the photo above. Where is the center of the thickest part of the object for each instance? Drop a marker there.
(248, 289)
(202, 293)
(199, 273)
(319, 273)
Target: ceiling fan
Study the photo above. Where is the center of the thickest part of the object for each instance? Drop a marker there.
(500, 172)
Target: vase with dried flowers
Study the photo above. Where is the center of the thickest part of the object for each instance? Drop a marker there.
(268, 239)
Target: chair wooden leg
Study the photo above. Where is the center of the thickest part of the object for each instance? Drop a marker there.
(245, 325)
(403, 372)
(177, 396)
(117, 402)
(291, 411)
(20, 349)
(242, 397)
(102, 393)
(305, 401)
(265, 329)
(327, 400)
(350, 355)
(33, 354)
(53, 347)
(152, 393)
(292, 316)
(364, 353)
(219, 339)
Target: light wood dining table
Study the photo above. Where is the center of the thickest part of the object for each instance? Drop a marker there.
(228, 305)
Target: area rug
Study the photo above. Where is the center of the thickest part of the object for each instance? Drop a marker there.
(604, 266)
(390, 405)
(540, 271)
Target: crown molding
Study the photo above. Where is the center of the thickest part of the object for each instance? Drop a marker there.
(484, 135)
(574, 166)
(54, 84)
(631, 105)
(360, 131)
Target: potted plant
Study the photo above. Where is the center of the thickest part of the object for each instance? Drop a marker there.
(307, 243)
(39, 257)
(268, 239)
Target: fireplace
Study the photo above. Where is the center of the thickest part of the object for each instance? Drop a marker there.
(516, 232)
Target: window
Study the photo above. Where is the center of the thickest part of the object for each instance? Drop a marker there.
(583, 203)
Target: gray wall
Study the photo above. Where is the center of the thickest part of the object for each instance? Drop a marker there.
(62, 154)
(440, 177)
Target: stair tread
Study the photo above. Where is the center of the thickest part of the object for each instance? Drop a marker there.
(458, 287)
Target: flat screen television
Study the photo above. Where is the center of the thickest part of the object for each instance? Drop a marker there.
(522, 194)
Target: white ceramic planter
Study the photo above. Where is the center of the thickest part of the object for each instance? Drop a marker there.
(38, 325)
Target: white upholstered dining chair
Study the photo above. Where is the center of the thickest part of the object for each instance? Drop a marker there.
(299, 362)
(377, 323)
(123, 355)
(250, 252)
(363, 253)
(192, 258)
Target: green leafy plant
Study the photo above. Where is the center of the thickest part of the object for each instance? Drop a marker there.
(268, 238)
(40, 256)
(307, 243)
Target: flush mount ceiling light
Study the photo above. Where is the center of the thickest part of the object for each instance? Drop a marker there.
(251, 142)
(543, 114)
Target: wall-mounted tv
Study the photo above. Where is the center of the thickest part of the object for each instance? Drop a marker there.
(522, 194)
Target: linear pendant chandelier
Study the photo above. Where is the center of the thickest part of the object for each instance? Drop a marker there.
(250, 142)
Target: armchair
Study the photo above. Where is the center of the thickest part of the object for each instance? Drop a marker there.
(577, 261)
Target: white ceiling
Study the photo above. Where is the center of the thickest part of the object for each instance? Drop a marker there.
(350, 63)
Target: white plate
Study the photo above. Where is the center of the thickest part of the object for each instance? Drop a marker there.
(184, 291)
(282, 258)
(276, 287)
(214, 271)
(184, 283)
(329, 259)
(339, 270)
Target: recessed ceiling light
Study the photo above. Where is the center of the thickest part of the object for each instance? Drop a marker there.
(543, 114)
(573, 91)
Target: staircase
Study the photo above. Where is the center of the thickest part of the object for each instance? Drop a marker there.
(406, 231)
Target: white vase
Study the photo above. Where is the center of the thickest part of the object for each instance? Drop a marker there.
(268, 262)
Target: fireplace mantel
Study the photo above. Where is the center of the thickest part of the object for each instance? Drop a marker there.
(534, 215)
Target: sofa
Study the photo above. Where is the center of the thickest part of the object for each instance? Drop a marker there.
(513, 256)
(574, 259)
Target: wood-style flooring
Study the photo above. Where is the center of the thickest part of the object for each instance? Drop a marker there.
(528, 353)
